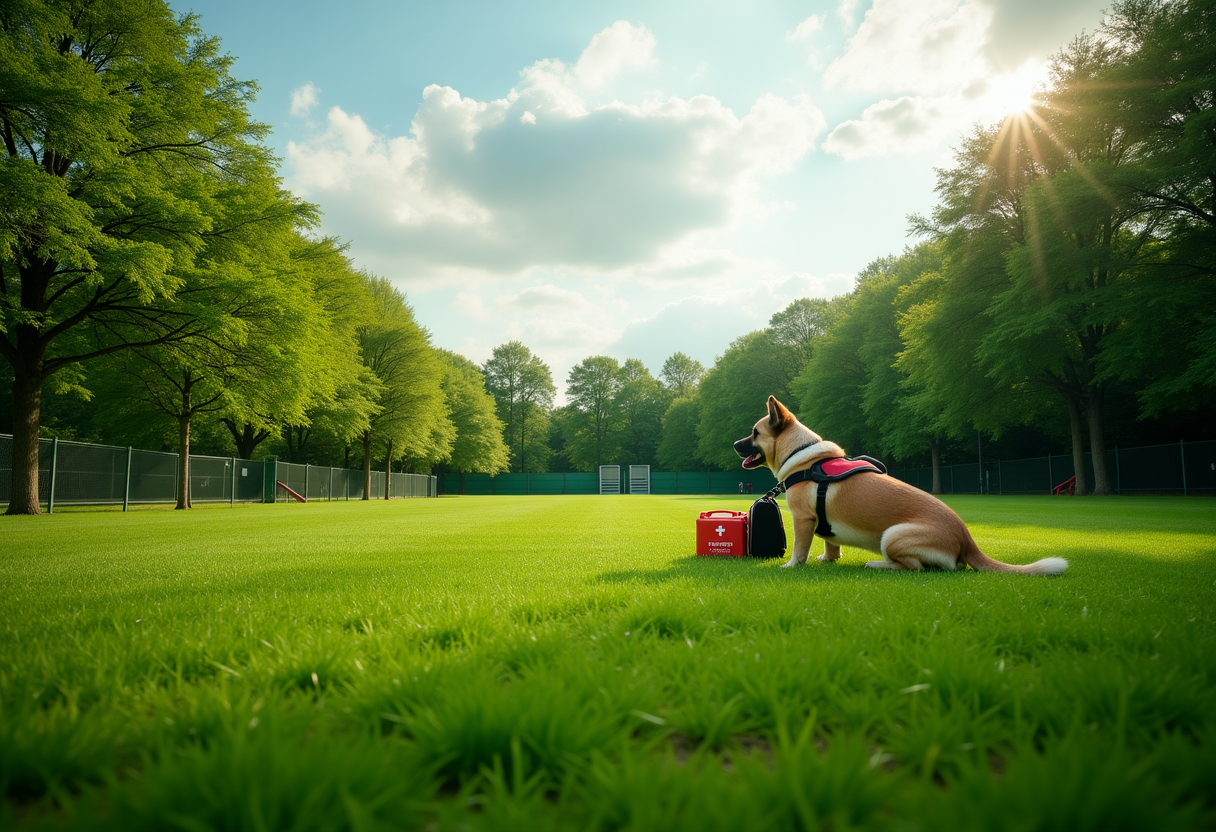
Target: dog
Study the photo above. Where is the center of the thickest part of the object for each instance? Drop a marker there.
(908, 527)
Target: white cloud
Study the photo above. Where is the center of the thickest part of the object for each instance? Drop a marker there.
(905, 125)
(303, 99)
(547, 176)
(621, 46)
(925, 47)
(847, 11)
(806, 28)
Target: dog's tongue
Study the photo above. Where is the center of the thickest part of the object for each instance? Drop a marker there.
(752, 460)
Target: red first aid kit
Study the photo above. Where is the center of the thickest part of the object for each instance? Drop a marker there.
(722, 533)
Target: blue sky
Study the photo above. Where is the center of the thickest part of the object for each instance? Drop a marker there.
(626, 178)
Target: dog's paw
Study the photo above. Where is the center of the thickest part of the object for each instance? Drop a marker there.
(790, 563)
(825, 559)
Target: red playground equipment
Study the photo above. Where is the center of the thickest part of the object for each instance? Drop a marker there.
(1067, 487)
(283, 486)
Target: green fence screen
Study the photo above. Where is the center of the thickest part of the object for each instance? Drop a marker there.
(1181, 468)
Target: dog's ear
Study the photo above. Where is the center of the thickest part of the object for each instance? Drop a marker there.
(778, 415)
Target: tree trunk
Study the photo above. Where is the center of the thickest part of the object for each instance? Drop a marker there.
(367, 465)
(183, 454)
(246, 438)
(1078, 444)
(27, 416)
(1095, 407)
(388, 471)
(935, 451)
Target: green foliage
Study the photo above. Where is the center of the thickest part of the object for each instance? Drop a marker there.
(1165, 90)
(677, 449)
(412, 419)
(592, 387)
(853, 370)
(131, 174)
(755, 366)
(324, 666)
(478, 445)
(640, 404)
(522, 387)
(681, 375)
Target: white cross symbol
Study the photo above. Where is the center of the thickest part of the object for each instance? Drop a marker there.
(720, 530)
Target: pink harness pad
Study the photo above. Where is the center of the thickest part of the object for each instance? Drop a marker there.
(837, 468)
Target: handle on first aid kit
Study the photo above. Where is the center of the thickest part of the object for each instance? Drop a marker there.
(723, 513)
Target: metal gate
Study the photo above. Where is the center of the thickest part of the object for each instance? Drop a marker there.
(610, 479)
(639, 479)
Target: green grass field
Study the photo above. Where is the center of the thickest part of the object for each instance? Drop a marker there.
(566, 663)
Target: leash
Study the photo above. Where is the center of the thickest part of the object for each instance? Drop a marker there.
(822, 528)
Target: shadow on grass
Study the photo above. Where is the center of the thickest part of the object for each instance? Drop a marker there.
(755, 571)
(1101, 562)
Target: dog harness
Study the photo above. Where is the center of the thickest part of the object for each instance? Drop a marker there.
(824, 472)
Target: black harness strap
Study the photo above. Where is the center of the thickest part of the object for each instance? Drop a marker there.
(823, 528)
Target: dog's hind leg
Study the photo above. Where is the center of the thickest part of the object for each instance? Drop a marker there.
(831, 552)
(909, 546)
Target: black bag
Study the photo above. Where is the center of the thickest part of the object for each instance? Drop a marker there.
(765, 529)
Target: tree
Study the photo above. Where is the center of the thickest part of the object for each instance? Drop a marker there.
(123, 135)
(640, 404)
(851, 391)
(345, 390)
(522, 387)
(681, 375)
(755, 366)
(411, 418)
(801, 324)
(677, 449)
(478, 445)
(733, 393)
(1163, 93)
(592, 389)
(1053, 321)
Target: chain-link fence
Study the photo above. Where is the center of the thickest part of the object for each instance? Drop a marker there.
(78, 473)
(1178, 468)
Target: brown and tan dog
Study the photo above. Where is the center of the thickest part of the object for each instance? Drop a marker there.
(908, 527)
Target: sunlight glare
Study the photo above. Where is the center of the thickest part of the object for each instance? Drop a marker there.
(1014, 93)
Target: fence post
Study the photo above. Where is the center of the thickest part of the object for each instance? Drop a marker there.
(50, 500)
(1000, 481)
(126, 487)
(1118, 479)
(1182, 454)
(1051, 481)
(270, 476)
(232, 495)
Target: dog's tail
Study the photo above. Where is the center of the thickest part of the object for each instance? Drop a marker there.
(973, 557)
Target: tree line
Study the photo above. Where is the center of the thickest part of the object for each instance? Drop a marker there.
(159, 286)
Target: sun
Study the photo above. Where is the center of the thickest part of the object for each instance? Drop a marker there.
(1014, 92)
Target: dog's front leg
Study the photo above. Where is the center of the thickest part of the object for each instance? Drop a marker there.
(804, 533)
